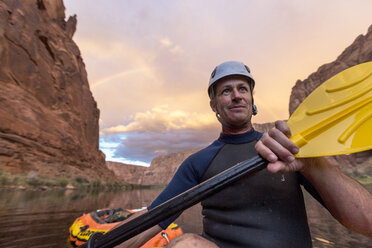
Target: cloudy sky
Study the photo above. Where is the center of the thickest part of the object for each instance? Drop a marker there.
(149, 62)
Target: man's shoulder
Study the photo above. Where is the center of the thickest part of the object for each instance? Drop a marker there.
(197, 162)
(206, 154)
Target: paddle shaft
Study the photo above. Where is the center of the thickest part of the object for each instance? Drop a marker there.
(178, 203)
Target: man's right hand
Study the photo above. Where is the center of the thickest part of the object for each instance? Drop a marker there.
(276, 147)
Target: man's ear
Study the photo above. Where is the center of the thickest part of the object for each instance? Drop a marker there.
(212, 103)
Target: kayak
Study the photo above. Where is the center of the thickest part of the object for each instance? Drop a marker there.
(104, 220)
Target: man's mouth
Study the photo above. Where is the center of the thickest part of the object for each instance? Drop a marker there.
(237, 107)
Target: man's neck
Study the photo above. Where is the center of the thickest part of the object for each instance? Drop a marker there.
(228, 130)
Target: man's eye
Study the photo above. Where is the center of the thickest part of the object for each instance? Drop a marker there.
(226, 91)
(243, 89)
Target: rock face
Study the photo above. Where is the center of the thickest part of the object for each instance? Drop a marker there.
(263, 127)
(161, 170)
(49, 119)
(132, 174)
(163, 167)
(359, 51)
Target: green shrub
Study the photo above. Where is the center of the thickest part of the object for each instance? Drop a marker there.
(358, 175)
(96, 184)
(114, 185)
(48, 183)
(34, 182)
(61, 182)
(81, 180)
(4, 180)
(16, 180)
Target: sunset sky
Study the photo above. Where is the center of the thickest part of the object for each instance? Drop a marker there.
(149, 62)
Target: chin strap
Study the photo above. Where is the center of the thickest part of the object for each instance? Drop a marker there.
(254, 109)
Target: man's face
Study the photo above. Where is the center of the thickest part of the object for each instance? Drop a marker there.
(233, 100)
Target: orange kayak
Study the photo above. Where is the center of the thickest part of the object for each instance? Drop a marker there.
(106, 219)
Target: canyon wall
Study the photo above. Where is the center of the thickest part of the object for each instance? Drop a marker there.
(161, 170)
(49, 119)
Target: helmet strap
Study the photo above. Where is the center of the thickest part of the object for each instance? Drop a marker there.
(254, 109)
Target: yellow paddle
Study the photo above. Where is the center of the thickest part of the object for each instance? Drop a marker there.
(334, 119)
(337, 116)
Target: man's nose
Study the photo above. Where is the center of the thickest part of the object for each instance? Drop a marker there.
(236, 94)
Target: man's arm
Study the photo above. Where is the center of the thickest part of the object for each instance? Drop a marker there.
(142, 238)
(185, 178)
(348, 201)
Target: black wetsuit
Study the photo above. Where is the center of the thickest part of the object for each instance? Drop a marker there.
(260, 210)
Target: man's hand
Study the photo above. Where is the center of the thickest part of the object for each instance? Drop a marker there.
(276, 147)
(348, 201)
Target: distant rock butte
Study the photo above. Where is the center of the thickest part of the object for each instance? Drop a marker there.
(49, 119)
(128, 173)
(163, 168)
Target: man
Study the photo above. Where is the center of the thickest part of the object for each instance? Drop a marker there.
(266, 209)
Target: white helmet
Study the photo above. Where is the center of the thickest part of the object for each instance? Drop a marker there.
(230, 68)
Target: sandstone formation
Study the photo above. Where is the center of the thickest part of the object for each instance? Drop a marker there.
(161, 170)
(163, 167)
(359, 51)
(49, 119)
(263, 127)
(128, 173)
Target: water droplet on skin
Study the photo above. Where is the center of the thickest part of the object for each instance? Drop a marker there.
(283, 178)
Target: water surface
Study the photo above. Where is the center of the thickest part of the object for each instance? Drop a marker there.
(42, 218)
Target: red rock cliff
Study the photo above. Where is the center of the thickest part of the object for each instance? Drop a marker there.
(128, 173)
(49, 119)
(160, 172)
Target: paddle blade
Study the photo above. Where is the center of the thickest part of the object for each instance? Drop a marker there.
(337, 116)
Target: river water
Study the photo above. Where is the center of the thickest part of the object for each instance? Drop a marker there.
(42, 218)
